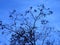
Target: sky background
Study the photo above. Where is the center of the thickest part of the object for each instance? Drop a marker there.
(8, 5)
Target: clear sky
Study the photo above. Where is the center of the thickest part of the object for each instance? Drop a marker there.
(20, 5)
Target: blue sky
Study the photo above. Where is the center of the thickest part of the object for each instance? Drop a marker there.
(20, 5)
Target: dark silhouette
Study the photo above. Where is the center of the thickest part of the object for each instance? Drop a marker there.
(24, 26)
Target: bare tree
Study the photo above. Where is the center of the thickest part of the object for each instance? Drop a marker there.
(24, 26)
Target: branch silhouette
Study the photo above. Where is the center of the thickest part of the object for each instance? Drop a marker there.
(25, 26)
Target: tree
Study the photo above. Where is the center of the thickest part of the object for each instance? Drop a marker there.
(24, 27)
